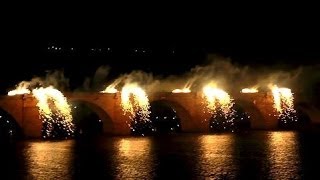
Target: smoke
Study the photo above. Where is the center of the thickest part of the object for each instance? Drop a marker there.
(97, 82)
(52, 78)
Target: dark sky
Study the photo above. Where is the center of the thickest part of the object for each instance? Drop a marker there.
(172, 45)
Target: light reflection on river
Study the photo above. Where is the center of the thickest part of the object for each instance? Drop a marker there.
(253, 155)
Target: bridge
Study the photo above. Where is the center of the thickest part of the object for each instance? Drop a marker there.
(188, 106)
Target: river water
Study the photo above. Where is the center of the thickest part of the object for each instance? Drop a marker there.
(252, 155)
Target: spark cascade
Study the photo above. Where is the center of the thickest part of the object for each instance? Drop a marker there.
(54, 111)
(218, 100)
(249, 90)
(134, 101)
(283, 103)
(184, 90)
(22, 88)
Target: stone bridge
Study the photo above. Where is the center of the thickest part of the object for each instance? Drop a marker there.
(188, 106)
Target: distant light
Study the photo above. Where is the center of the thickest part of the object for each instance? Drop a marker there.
(71, 49)
(75, 107)
(7, 121)
(56, 48)
(136, 50)
(108, 49)
(165, 117)
(171, 129)
(99, 120)
(0, 116)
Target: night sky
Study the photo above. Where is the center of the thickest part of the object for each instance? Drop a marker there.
(161, 46)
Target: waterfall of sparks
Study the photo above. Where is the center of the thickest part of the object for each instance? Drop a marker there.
(134, 101)
(283, 102)
(54, 110)
(184, 90)
(249, 90)
(218, 100)
(22, 88)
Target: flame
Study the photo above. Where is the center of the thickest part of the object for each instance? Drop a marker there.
(110, 89)
(138, 103)
(283, 101)
(217, 98)
(249, 90)
(184, 90)
(22, 88)
(53, 109)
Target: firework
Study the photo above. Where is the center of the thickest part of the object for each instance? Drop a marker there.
(283, 103)
(22, 88)
(135, 102)
(249, 90)
(184, 90)
(54, 111)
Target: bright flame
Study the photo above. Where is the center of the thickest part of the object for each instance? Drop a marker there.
(54, 109)
(217, 98)
(22, 88)
(110, 89)
(138, 103)
(184, 90)
(283, 100)
(249, 90)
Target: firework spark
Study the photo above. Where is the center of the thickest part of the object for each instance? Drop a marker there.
(22, 88)
(134, 101)
(110, 89)
(217, 99)
(54, 110)
(249, 90)
(184, 90)
(283, 102)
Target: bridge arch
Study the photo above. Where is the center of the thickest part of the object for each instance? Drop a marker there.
(9, 125)
(104, 116)
(181, 112)
(257, 120)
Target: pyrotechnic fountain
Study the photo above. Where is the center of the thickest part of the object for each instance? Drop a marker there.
(135, 102)
(283, 104)
(54, 110)
(220, 105)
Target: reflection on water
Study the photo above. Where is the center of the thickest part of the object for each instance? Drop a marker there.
(254, 155)
(215, 155)
(283, 155)
(133, 158)
(49, 160)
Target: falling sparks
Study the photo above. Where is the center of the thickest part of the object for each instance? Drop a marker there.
(54, 111)
(249, 90)
(218, 99)
(184, 90)
(22, 88)
(134, 101)
(283, 103)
